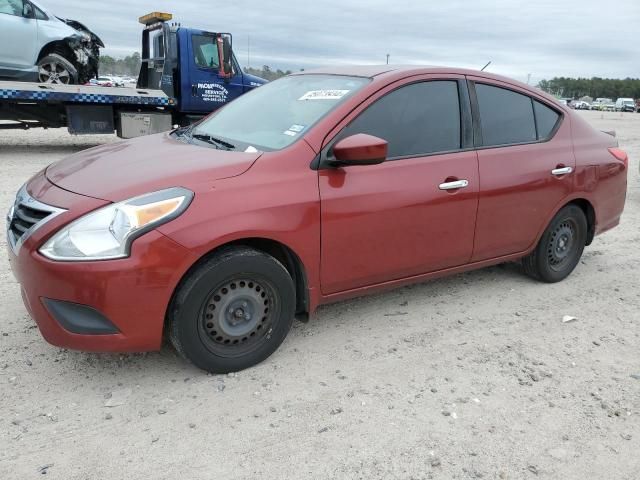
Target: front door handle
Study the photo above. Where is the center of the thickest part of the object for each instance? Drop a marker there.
(454, 185)
(561, 171)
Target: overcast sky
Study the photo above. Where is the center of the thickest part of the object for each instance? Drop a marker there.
(543, 38)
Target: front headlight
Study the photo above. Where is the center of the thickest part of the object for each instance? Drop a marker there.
(108, 232)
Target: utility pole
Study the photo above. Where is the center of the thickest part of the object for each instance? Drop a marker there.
(528, 78)
(248, 51)
(387, 59)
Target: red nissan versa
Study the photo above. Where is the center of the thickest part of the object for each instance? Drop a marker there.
(317, 187)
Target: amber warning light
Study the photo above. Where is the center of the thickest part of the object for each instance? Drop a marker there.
(155, 17)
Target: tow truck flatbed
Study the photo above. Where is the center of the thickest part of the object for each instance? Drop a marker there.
(85, 109)
(83, 94)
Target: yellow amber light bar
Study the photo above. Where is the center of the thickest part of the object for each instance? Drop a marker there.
(155, 17)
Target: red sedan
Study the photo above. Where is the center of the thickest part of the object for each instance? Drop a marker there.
(317, 187)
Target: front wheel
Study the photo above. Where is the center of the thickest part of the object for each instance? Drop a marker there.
(232, 311)
(560, 248)
(56, 69)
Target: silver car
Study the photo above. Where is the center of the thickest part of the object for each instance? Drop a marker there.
(37, 46)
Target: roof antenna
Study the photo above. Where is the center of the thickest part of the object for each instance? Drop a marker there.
(482, 69)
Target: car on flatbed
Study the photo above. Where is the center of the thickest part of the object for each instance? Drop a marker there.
(37, 46)
(321, 186)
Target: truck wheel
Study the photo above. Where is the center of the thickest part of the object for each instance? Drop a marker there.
(560, 247)
(232, 311)
(54, 68)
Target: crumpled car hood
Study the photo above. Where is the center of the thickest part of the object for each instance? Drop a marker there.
(122, 170)
(81, 27)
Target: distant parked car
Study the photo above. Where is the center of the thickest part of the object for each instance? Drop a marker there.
(115, 81)
(625, 105)
(580, 105)
(100, 82)
(37, 46)
(603, 104)
(317, 187)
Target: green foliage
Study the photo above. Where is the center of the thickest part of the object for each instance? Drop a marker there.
(594, 87)
(266, 72)
(129, 65)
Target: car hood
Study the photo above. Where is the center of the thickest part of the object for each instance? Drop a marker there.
(122, 170)
(76, 25)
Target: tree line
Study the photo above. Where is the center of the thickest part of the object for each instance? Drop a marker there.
(593, 87)
(559, 86)
(267, 73)
(129, 65)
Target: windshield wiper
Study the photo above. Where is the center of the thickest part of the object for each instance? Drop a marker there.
(184, 133)
(213, 140)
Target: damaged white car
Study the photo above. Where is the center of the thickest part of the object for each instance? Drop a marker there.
(36, 46)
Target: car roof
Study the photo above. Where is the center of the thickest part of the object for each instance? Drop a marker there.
(402, 71)
(371, 71)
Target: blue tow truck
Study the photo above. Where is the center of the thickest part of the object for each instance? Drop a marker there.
(185, 74)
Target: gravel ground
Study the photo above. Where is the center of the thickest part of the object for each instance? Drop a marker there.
(473, 376)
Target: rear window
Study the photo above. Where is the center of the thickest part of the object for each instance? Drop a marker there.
(506, 116)
(546, 119)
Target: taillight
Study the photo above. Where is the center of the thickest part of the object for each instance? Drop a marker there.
(620, 155)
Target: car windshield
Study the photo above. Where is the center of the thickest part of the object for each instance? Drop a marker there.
(273, 116)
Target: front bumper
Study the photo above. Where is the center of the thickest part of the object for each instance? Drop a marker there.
(131, 294)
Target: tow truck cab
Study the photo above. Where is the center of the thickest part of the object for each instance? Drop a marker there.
(196, 67)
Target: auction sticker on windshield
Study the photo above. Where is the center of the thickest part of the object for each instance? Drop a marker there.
(324, 95)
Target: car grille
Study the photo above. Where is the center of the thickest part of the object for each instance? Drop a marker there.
(25, 217)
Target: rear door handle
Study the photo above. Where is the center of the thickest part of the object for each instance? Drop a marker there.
(561, 171)
(454, 185)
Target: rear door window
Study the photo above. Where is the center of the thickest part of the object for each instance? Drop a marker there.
(506, 116)
(546, 120)
(417, 119)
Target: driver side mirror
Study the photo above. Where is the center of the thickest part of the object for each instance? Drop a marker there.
(27, 10)
(360, 149)
(225, 55)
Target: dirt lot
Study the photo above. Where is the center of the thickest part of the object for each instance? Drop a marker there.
(474, 376)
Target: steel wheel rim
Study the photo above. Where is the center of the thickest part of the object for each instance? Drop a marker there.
(53, 72)
(238, 315)
(561, 248)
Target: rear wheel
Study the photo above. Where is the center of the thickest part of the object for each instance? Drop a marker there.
(54, 68)
(560, 247)
(233, 311)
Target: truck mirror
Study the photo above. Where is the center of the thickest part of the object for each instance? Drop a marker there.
(225, 55)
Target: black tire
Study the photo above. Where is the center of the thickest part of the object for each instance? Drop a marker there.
(232, 311)
(56, 69)
(560, 248)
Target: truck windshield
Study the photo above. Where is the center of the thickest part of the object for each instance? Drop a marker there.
(273, 116)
